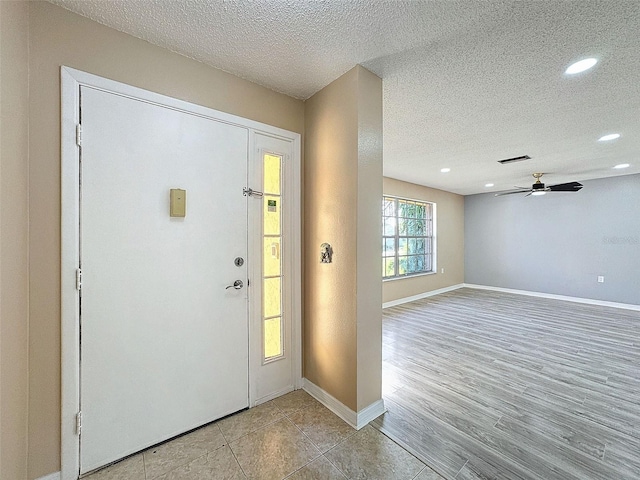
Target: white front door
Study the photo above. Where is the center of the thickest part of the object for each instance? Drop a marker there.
(164, 342)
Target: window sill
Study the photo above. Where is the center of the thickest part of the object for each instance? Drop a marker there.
(404, 277)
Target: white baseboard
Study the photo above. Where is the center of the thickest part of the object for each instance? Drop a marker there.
(356, 420)
(370, 413)
(51, 476)
(588, 301)
(412, 298)
(271, 396)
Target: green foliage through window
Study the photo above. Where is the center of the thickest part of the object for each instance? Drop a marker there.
(407, 237)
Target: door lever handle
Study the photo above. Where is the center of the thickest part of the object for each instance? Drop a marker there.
(237, 285)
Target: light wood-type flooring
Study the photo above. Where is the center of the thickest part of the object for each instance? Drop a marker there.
(482, 384)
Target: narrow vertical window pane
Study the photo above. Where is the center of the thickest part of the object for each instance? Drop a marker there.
(273, 337)
(389, 266)
(271, 256)
(272, 174)
(271, 295)
(271, 215)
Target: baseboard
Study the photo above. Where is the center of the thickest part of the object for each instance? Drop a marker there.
(370, 413)
(356, 420)
(588, 301)
(271, 396)
(420, 296)
(51, 476)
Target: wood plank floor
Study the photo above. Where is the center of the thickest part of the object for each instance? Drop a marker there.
(490, 385)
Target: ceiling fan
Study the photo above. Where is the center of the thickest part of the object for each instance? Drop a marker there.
(539, 188)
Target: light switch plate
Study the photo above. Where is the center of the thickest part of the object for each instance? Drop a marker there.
(177, 202)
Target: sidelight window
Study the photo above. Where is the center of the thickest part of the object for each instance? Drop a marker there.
(272, 314)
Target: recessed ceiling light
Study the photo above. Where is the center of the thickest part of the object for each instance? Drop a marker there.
(445, 170)
(622, 165)
(538, 193)
(488, 185)
(611, 136)
(581, 66)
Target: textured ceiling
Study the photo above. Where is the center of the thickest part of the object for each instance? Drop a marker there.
(466, 83)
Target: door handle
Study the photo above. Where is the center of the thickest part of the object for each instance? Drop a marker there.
(237, 285)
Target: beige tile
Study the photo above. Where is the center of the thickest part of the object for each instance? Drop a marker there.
(219, 464)
(294, 401)
(370, 455)
(428, 474)
(130, 469)
(182, 450)
(273, 452)
(250, 420)
(319, 469)
(323, 427)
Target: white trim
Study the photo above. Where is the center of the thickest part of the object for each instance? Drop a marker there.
(271, 396)
(411, 275)
(367, 414)
(356, 420)
(71, 80)
(332, 403)
(51, 476)
(420, 296)
(69, 311)
(588, 301)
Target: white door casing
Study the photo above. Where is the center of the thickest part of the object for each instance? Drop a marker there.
(71, 81)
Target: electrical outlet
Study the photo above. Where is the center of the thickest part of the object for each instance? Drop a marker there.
(442, 270)
(600, 279)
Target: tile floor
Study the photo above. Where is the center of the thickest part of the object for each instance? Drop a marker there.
(293, 437)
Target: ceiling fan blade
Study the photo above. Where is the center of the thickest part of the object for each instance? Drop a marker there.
(565, 187)
(510, 193)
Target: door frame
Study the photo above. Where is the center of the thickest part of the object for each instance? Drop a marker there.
(70, 82)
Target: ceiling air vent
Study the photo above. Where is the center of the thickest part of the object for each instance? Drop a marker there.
(514, 159)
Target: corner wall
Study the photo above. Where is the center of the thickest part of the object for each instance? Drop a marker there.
(558, 243)
(14, 222)
(450, 223)
(342, 191)
(369, 252)
(59, 37)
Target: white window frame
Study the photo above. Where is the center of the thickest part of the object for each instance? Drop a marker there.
(397, 236)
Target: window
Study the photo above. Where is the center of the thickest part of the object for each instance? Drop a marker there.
(407, 237)
(272, 259)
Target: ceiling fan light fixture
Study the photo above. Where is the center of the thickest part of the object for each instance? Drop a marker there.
(622, 165)
(538, 193)
(607, 138)
(581, 66)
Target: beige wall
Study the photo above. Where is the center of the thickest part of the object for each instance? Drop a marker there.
(14, 43)
(57, 38)
(341, 165)
(450, 241)
(369, 283)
